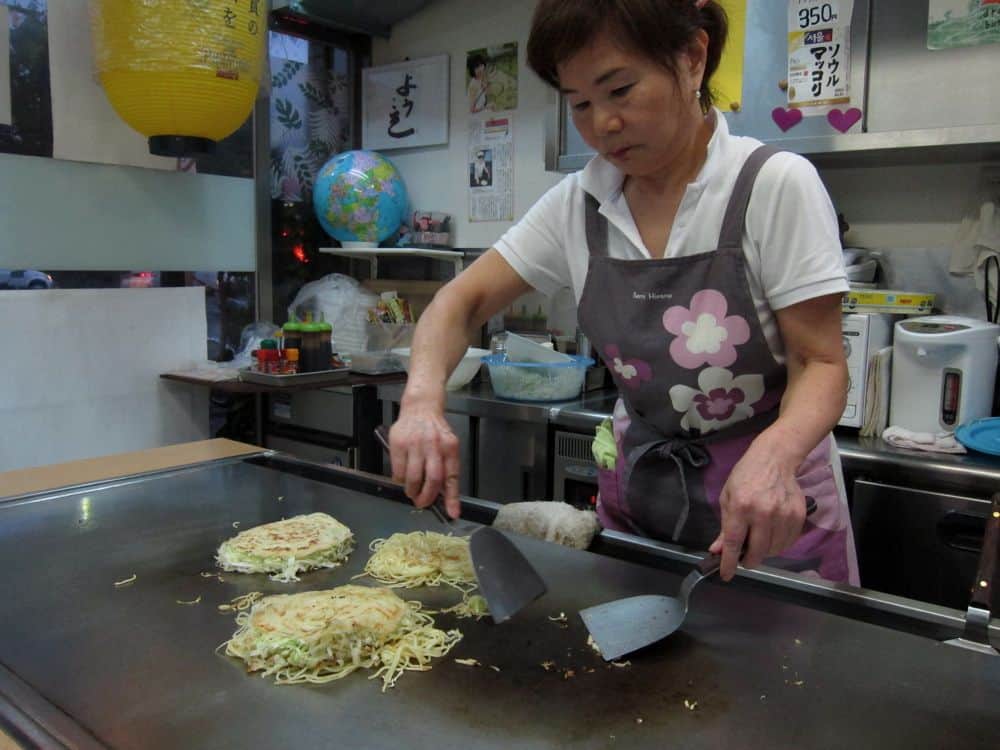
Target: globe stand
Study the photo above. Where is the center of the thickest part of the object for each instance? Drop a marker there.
(180, 145)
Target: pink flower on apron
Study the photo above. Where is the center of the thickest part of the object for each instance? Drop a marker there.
(705, 335)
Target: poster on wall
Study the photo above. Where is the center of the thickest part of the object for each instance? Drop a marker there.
(491, 169)
(727, 83)
(962, 23)
(491, 78)
(405, 104)
(819, 54)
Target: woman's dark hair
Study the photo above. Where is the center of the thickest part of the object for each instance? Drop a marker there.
(656, 29)
(474, 61)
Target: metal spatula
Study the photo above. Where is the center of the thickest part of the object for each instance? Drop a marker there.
(508, 582)
(976, 636)
(626, 625)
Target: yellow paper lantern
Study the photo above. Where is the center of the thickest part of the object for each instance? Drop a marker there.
(184, 73)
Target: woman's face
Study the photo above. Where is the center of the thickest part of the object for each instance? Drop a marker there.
(631, 110)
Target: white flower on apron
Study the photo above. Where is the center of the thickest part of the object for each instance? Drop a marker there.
(723, 399)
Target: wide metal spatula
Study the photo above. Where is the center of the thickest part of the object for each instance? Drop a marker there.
(508, 582)
(626, 625)
(976, 636)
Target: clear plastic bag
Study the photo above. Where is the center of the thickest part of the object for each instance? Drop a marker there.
(250, 338)
(343, 303)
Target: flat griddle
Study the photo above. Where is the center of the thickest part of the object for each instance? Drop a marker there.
(94, 665)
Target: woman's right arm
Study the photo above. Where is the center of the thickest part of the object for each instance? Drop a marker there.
(424, 449)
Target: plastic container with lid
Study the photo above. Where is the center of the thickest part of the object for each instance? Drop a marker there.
(537, 381)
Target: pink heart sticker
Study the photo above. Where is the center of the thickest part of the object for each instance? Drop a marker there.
(843, 121)
(786, 118)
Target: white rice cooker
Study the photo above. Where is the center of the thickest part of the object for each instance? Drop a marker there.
(943, 372)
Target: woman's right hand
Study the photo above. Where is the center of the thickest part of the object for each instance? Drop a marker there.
(425, 456)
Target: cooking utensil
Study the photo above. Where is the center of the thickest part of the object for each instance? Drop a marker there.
(626, 625)
(508, 582)
(976, 636)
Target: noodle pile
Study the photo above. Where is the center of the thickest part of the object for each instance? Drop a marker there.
(320, 636)
(422, 558)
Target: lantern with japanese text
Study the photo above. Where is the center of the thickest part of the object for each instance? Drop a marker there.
(184, 73)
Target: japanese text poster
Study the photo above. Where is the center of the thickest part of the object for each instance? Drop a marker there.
(405, 104)
(491, 78)
(962, 23)
(819, 54)
(491, 169)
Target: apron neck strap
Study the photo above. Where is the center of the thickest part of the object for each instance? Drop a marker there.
(735, 219)
(597, 227)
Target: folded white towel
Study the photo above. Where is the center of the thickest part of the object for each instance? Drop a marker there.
(941, 442)
(876, 416)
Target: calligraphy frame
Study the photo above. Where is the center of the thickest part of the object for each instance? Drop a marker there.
(427, 118)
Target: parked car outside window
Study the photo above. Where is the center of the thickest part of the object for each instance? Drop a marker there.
(24, 280)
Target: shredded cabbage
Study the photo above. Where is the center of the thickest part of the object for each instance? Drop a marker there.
(284, 570)
(470, 606)
(604, 448)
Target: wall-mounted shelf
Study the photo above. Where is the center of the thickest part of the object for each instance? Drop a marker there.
(455, 257)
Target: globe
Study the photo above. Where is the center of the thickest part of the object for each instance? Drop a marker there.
(359, 197)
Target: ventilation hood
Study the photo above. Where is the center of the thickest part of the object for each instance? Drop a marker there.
(372, 17)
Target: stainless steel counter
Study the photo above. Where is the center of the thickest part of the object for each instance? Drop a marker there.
(870, 457)
(85, 664)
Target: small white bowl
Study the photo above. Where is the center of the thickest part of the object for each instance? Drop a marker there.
(466, 370)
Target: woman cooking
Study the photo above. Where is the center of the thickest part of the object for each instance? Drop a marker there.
(708, 275)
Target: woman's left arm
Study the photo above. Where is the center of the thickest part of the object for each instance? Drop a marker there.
(761, 502)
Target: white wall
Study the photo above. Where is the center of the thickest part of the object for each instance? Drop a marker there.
(83, 379)
(905, 206)
(436, 177)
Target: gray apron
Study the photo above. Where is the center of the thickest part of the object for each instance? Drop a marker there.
(683, 341)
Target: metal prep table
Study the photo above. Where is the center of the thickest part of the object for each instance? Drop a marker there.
(84, 664)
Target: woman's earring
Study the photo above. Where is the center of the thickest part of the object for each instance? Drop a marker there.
(697, 94)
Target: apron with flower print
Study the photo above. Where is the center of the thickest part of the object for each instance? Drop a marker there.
(698, 383)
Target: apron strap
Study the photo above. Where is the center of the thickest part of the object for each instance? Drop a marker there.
(735, 219)
(597, 227)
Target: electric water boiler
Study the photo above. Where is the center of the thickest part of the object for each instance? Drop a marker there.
(943, 372)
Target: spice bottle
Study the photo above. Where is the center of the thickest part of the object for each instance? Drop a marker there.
(291, 361)
(268, 355)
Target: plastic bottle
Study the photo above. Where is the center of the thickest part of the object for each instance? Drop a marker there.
(309, 359)
(291, 361)
(324, 346)
(293, 334)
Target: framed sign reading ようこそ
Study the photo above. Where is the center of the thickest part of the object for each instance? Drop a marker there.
(405, 104)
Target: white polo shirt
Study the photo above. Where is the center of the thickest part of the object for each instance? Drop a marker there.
(791, 240)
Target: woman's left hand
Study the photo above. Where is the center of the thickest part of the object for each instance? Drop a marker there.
(762, 505)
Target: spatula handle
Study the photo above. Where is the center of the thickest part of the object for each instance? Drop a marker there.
(982, 587)
(710, 564)
(437, 507)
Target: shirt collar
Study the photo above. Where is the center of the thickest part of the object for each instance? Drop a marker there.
(604, 180)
